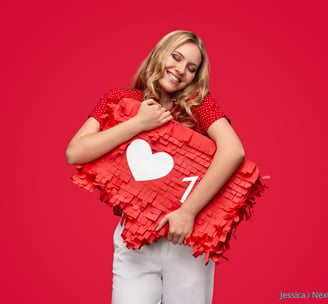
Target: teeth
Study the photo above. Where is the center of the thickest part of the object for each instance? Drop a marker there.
(173, 77)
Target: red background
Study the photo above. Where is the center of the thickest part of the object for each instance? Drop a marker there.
(268, 70)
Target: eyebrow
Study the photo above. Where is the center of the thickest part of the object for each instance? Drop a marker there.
(184, 58)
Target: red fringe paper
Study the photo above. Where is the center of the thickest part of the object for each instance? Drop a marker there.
(144, 203)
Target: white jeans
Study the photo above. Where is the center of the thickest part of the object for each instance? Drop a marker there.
(160, 273)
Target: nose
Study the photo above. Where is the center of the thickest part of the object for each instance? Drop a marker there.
(180, 68)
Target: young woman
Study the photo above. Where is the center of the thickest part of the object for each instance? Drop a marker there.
(171, 83)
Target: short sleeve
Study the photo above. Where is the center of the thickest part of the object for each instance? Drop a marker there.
(206, 113)
(103, 107)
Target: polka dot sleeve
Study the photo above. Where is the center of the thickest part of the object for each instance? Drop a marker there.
(206, 113)
(113, 97)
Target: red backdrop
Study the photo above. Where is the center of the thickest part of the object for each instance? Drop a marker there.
(268, 70)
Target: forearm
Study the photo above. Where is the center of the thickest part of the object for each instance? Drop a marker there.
(224, 164)
(91, 146)
(89, 143)
(181, 221)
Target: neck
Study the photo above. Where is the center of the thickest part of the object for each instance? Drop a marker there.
(165, 100)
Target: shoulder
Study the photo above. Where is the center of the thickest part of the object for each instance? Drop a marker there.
(111, 98)
(116, 94)
(209, 103)
(207, 112)
(208, 100)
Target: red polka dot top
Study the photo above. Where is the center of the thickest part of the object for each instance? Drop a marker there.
(205, 114)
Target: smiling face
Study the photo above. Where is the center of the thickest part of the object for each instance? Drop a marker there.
(180, 68)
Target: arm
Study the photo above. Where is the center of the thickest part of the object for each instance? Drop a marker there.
(90, 142)
(228, 157)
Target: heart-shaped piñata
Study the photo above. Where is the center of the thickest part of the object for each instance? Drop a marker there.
(147, 166)
(151, 174)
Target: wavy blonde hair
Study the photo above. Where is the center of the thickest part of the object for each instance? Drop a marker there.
(152, 70)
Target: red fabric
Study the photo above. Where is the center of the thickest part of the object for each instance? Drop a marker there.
(144, 203)
(113, 96)
(205, 114)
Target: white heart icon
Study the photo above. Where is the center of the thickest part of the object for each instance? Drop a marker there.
(147, 166)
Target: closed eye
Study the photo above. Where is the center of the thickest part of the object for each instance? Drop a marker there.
(192, 69)
(176, 57)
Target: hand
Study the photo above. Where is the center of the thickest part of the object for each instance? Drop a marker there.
(152, 115)
(181, 223)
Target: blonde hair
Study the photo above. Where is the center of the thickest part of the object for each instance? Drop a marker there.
(153, 67)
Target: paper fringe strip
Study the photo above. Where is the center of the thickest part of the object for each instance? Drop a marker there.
(145, 203)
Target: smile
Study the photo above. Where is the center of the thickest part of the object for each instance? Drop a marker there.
(173, 77)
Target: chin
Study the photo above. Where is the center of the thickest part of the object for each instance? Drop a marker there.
(168, 88)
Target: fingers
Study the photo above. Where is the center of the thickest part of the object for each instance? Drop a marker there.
(180, 226)
(152, 115)
(186, 238)
(167, 116)
(151, 102)
(176, 238)
(162, 111)
(162, 223)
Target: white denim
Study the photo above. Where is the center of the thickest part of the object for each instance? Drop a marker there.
(162, 273)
